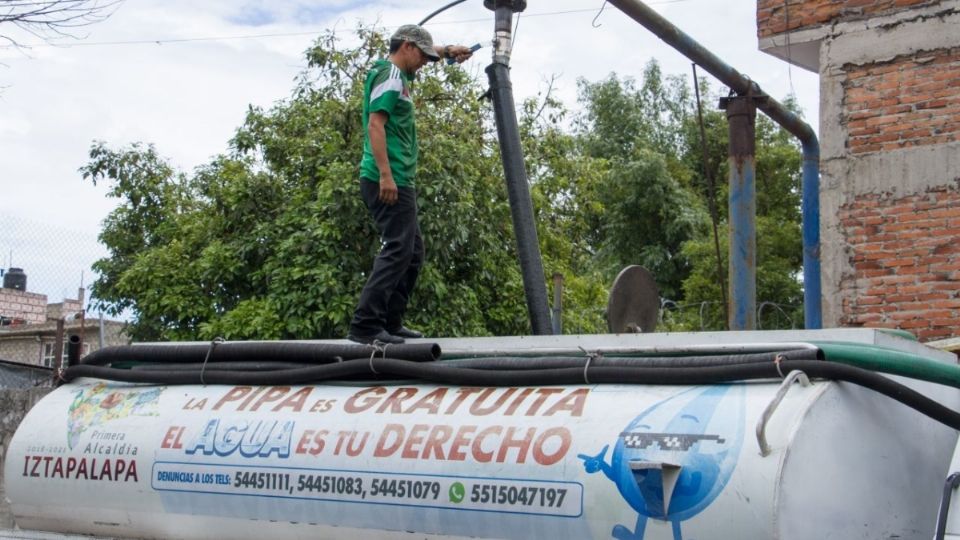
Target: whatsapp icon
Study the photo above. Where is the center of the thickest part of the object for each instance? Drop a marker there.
(457, 492)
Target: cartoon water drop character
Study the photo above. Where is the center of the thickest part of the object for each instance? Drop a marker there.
(675, 458)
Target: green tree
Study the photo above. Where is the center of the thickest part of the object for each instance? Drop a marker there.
(271, 240)
(644, 206)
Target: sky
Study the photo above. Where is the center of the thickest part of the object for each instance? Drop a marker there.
(181, 74)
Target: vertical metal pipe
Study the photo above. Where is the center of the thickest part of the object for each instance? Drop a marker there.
(521, 204)
(503, 39)
(673, 36)
(557, 303)
(58, 346)
(741, 118)
(74, 348)
(812, 311)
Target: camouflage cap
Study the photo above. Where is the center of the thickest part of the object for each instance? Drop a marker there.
(419, 37)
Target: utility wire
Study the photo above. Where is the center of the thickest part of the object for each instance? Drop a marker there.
(163, 41)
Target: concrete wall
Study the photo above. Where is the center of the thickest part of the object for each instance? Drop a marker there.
(25, 343)
(25, 350)
(890, 161)
(14, 405)
(67, 307)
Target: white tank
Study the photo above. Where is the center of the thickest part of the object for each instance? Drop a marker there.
(422, 460)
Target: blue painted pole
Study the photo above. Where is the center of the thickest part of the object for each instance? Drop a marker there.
(741, 119)
(812, 310)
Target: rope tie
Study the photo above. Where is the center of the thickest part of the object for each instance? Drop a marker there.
(213, 345)
(776, 361)
(591, 356)
(378, 347)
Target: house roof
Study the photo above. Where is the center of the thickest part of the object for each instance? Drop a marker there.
(50, 327)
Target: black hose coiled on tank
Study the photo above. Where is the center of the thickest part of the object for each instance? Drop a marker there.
(452, 373)
(248, 351)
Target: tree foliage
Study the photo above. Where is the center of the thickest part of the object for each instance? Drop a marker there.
(270, 239)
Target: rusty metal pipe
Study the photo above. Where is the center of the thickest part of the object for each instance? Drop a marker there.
(741, 121)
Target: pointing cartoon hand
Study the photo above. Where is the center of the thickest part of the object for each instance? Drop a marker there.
(593, 464)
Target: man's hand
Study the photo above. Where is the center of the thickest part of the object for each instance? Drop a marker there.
(388, 189)
(459, 53)
(378, 145)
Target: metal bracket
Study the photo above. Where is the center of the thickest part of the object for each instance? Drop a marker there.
(772, 406)
(514, 5)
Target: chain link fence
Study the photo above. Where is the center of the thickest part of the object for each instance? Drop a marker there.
(44, 300)
(706, 317)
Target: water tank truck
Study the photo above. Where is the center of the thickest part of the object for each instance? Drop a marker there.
(795, 434)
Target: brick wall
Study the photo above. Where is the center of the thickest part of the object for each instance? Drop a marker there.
(30, 307)
(905, 259)
(910, 101)
(779, 16)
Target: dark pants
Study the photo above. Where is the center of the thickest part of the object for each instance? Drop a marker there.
(384, 298)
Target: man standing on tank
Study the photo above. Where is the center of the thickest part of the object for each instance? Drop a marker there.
(388, 184)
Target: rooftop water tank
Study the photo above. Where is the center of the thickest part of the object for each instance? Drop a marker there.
(15, 279)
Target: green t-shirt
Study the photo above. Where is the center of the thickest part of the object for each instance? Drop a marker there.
(387, 90)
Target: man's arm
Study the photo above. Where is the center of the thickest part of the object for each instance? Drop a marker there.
(378, 145)
(459, 53)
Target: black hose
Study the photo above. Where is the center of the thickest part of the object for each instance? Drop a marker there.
(266, 351)
(441, 10)
(555, 362)
(223, 366)
(521, 203)
(448, 373)
(208, 376)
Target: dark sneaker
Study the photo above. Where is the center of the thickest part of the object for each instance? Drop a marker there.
(382, 336)
(408, 333)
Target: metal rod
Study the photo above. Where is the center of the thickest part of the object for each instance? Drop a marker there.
(439, 11)
(712, 189)
(951, 484)
(557, 303)
(742, 84)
